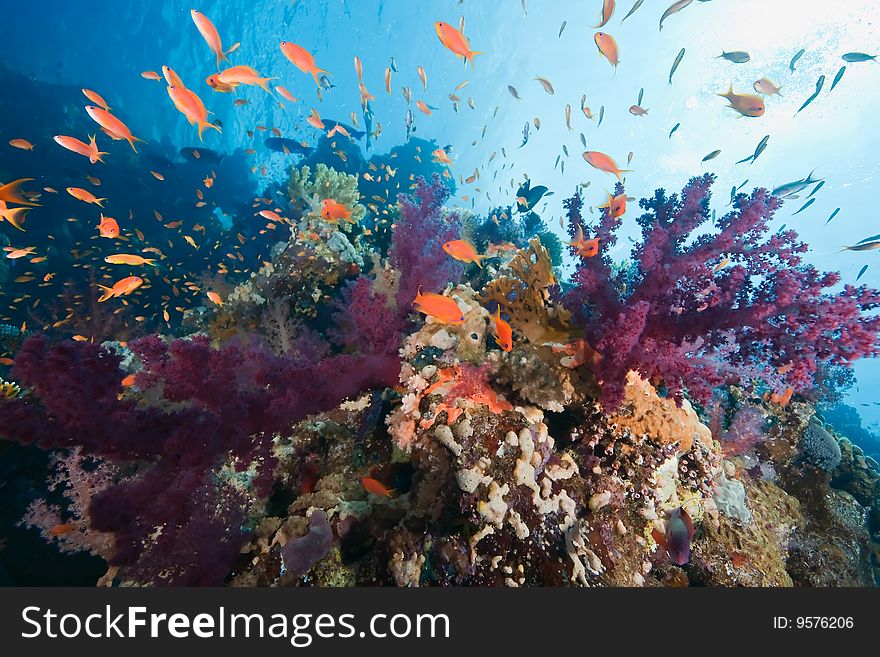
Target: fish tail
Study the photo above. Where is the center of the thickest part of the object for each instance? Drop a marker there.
(106, 293)
(100, 202)
(470, 56)
(221, 57)
(262, 82)
(207, 124)
(133, 139)
(150, 261)
(315, 72)
(13, 217)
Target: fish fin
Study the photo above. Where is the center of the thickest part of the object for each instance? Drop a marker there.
(207, 124)
(100, 201)
(106, 293)
(659, 538)
(10, 192)
(315, 72)
(262, 82)
(13, 215)
(470, 56)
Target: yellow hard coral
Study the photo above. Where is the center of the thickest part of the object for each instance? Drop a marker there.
(9, 389)
(524, 294)
(308, 189)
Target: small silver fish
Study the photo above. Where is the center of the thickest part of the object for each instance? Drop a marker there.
(673, 9)
(633, 10)
(838, 77)
(737, 56)
(675, 64)
(817, 188)
(561, 29)
(674, 128)
(798, 55)
(805, 206)
(526, 129)
(513, 92)
(546, 84)
(853, 57)
(711, 156)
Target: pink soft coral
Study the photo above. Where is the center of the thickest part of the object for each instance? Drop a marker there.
(690, 313)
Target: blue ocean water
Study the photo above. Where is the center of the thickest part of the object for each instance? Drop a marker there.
(105, 45)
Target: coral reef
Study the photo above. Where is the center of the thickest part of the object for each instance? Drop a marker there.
(310, 430)
(696, 312)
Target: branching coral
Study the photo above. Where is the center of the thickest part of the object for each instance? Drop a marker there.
(307, 190)
(697, 310)
(175, 522)
(416, 245)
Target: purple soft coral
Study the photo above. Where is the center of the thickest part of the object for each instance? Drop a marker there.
(691, 313)
(416, 246)
(364, 320)
(212, 405)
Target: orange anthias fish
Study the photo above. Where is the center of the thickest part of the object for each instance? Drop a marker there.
(603, 163)
(333, 211)
(423, 108)
(284, 93)
(338, 128)
(441, 308)
(111, 125)
(128, 259)
(503, 332)
(302, 59)
(128, 381)
(86, 196)
(22, 144)
(608, 47)
(89, 150)
(171, 77)
(210, 34)
(585, 248)
(120, 288)
(221, 87)
(455, 41)
(243, 75)
(749, 105)
(151, 75)
(96, 98)
(61, 529)
(108, 227)
(376, 487)
(314, 120)
(464, 251)
(441, 156)
(15, 254)
(616, 205)
(215, 298)
(13, 215)
(271, 215)
(191, 106)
